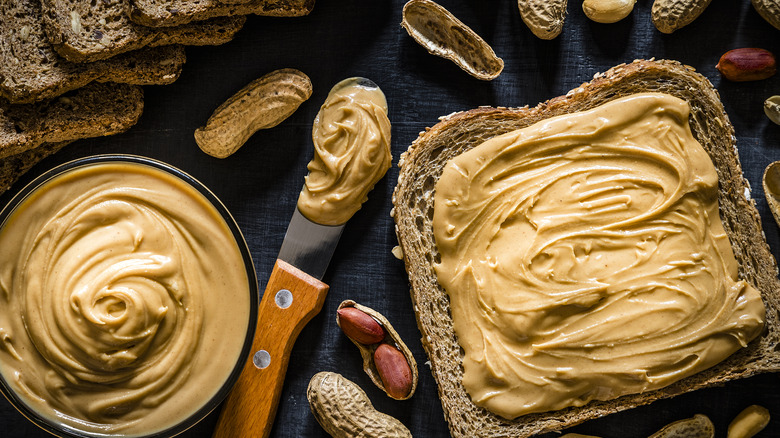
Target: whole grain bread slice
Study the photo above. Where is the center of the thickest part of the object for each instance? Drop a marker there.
(95, 110)
(177, 12)
(421, 166)
(85, 31)
(31, 70)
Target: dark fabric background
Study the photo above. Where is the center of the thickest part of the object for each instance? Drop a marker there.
(343, 38)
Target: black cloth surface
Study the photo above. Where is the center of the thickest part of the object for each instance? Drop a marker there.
(341, 38)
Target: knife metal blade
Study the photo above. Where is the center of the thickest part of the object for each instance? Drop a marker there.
(308, 245)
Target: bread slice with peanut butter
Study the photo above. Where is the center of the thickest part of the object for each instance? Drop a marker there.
(85, 31)
(30, 69)
(421, 167)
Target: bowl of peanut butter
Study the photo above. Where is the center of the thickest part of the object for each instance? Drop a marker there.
(128, 299)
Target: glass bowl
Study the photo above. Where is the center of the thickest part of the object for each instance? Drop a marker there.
(193, 413)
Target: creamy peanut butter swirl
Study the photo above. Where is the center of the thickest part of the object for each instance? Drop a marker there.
(351, 135)
(585, 259)
(124, 300)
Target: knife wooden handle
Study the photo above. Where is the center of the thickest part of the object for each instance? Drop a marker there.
(249, 409)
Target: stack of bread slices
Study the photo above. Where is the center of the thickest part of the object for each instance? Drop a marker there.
(73, 69)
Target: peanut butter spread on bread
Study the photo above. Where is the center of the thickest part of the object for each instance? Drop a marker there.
(585, 259)
(351, 135)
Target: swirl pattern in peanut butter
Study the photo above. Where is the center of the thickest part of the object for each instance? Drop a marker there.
(119, 286)
(351, 135)
(585, 259)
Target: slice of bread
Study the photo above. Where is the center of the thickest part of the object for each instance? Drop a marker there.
(422, 164)
(177, 12)
(85, 31)
(31, 70)
(97, 109)
(13, 167)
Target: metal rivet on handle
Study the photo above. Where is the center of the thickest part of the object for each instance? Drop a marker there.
(284, 298)
(261, 359)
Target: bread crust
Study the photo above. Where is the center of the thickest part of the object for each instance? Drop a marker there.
(421, 166)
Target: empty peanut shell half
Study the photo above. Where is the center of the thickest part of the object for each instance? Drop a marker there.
(396, 375)
(436, 29)
(263, 104)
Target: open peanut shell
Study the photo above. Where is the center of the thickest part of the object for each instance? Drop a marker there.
(436, 29)
(367, 351)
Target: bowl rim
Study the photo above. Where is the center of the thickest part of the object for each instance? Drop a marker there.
(66, 431)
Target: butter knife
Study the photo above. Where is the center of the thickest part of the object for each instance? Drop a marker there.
(293, 296)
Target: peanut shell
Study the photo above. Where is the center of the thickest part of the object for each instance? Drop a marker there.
(671, 15)
(436, 29)
(698, 426)
(367, 351)
(262, 104)
(544, 17)
(769, 10)
(772, 108)
(344, 410)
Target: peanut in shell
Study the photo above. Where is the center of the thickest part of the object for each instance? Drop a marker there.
(344, 410)
(671, 15)
(543, 17)
(698, 426)
(772, 109)
(769, 10)
(262, 104)
(398, 376)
